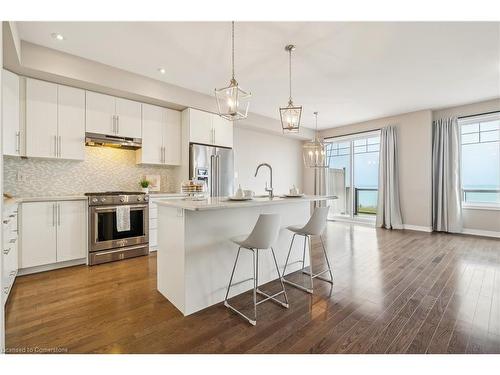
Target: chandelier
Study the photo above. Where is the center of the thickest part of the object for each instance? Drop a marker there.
(232, 101)
(314, 151)
(290, 115)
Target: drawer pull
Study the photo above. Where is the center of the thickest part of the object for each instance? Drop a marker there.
(6, 221)
(12, 215)
(6, 251)
(13, 240)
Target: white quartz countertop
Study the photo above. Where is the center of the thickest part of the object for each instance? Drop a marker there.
(217, 203)
(51, 198)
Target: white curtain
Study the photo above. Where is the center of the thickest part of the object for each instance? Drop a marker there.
(388, 208)
(446, 197)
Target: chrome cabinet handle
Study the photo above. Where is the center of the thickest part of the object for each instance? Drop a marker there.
(12, 215)
(55, 145)
(114, 124)
(60, 146)
(58, 214)
(117, 124)
(53, 214)
(18, 142)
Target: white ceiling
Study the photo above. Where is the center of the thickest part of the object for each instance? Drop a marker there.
(349, 72)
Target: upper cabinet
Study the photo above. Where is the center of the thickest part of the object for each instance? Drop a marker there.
(208, 128)
(55, 121)
(12, 136)
(112, 116)
(161, 136)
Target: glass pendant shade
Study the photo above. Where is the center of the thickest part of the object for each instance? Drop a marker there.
(232, 102)
(313, 152)
(290, 115)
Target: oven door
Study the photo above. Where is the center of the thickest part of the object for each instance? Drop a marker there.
(103, 234)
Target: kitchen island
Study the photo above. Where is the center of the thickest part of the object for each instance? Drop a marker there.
(195, 254)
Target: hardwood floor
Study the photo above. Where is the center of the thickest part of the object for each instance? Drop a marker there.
(394, 292)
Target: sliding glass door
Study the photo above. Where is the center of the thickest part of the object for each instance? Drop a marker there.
(352, 175)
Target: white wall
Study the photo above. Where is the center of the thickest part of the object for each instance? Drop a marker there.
(284, 154)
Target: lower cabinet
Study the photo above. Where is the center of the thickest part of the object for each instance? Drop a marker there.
(153, 217)
(9, 250)
(52, 232)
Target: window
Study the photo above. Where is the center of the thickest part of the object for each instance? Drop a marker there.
(353, 162)
(480, 160)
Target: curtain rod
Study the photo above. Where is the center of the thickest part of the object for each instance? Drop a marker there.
(349, 134)
(480, 114)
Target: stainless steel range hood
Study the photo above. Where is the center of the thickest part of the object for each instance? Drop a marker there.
(103, 140)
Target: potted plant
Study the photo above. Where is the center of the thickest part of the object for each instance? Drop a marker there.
(144, 185)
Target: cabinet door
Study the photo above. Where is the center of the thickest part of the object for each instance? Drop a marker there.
(71, 230)
(153, 123)
(10, 114)
(71, 122)
(99, 112)
(38, 234)
(41, 119)
(129, 118)
(223, 131)
(172, 138)
(200, 126)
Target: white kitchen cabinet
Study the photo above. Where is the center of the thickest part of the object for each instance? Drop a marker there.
(71, 230)
(109, 115)
(208, 128)
(128, 118)
(41, 119)
(9, 249)
(12, 135)
(200, 126)
(71, 123)
(161, 136)
(153, 216)
(172, 138)
(100, 113)
(52, 232)
(222, 131)
(38, 234)
(55, 120)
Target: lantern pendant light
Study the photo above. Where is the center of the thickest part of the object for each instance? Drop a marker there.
(314, 151)
(232, 101)
(290, 115)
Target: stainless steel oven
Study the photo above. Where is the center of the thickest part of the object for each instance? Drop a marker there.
(106, 243)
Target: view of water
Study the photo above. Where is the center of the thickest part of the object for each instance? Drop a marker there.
(481, 196)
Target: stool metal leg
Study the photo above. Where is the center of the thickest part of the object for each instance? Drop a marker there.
(256, 281)
(226, 302)
(308, 290)
(329, 269)
(288, 256)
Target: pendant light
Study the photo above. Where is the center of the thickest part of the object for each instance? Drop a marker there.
(290, 115)
(232, 101)
(314, 150)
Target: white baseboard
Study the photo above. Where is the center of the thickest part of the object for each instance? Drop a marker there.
(417, 228)
(50, 267)
(478, 232)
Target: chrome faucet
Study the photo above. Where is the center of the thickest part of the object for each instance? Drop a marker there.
(268, 189)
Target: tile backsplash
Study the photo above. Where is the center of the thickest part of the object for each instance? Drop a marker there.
(104, 169)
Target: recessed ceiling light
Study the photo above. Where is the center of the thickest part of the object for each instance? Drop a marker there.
(57, 36)
(162, 70)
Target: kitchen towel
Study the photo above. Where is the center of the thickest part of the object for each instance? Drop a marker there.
(122, 218)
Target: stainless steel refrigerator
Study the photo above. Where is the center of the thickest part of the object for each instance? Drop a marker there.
(215, 165)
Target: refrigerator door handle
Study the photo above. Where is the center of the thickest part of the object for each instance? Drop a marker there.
(218, 174)
(212, 176)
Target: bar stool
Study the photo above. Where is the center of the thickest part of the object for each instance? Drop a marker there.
(314, 227)
(263, 236)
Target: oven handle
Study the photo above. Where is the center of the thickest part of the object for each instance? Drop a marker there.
(100, 209)
(119, 250)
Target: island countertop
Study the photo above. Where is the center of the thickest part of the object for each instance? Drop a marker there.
(216, 203)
